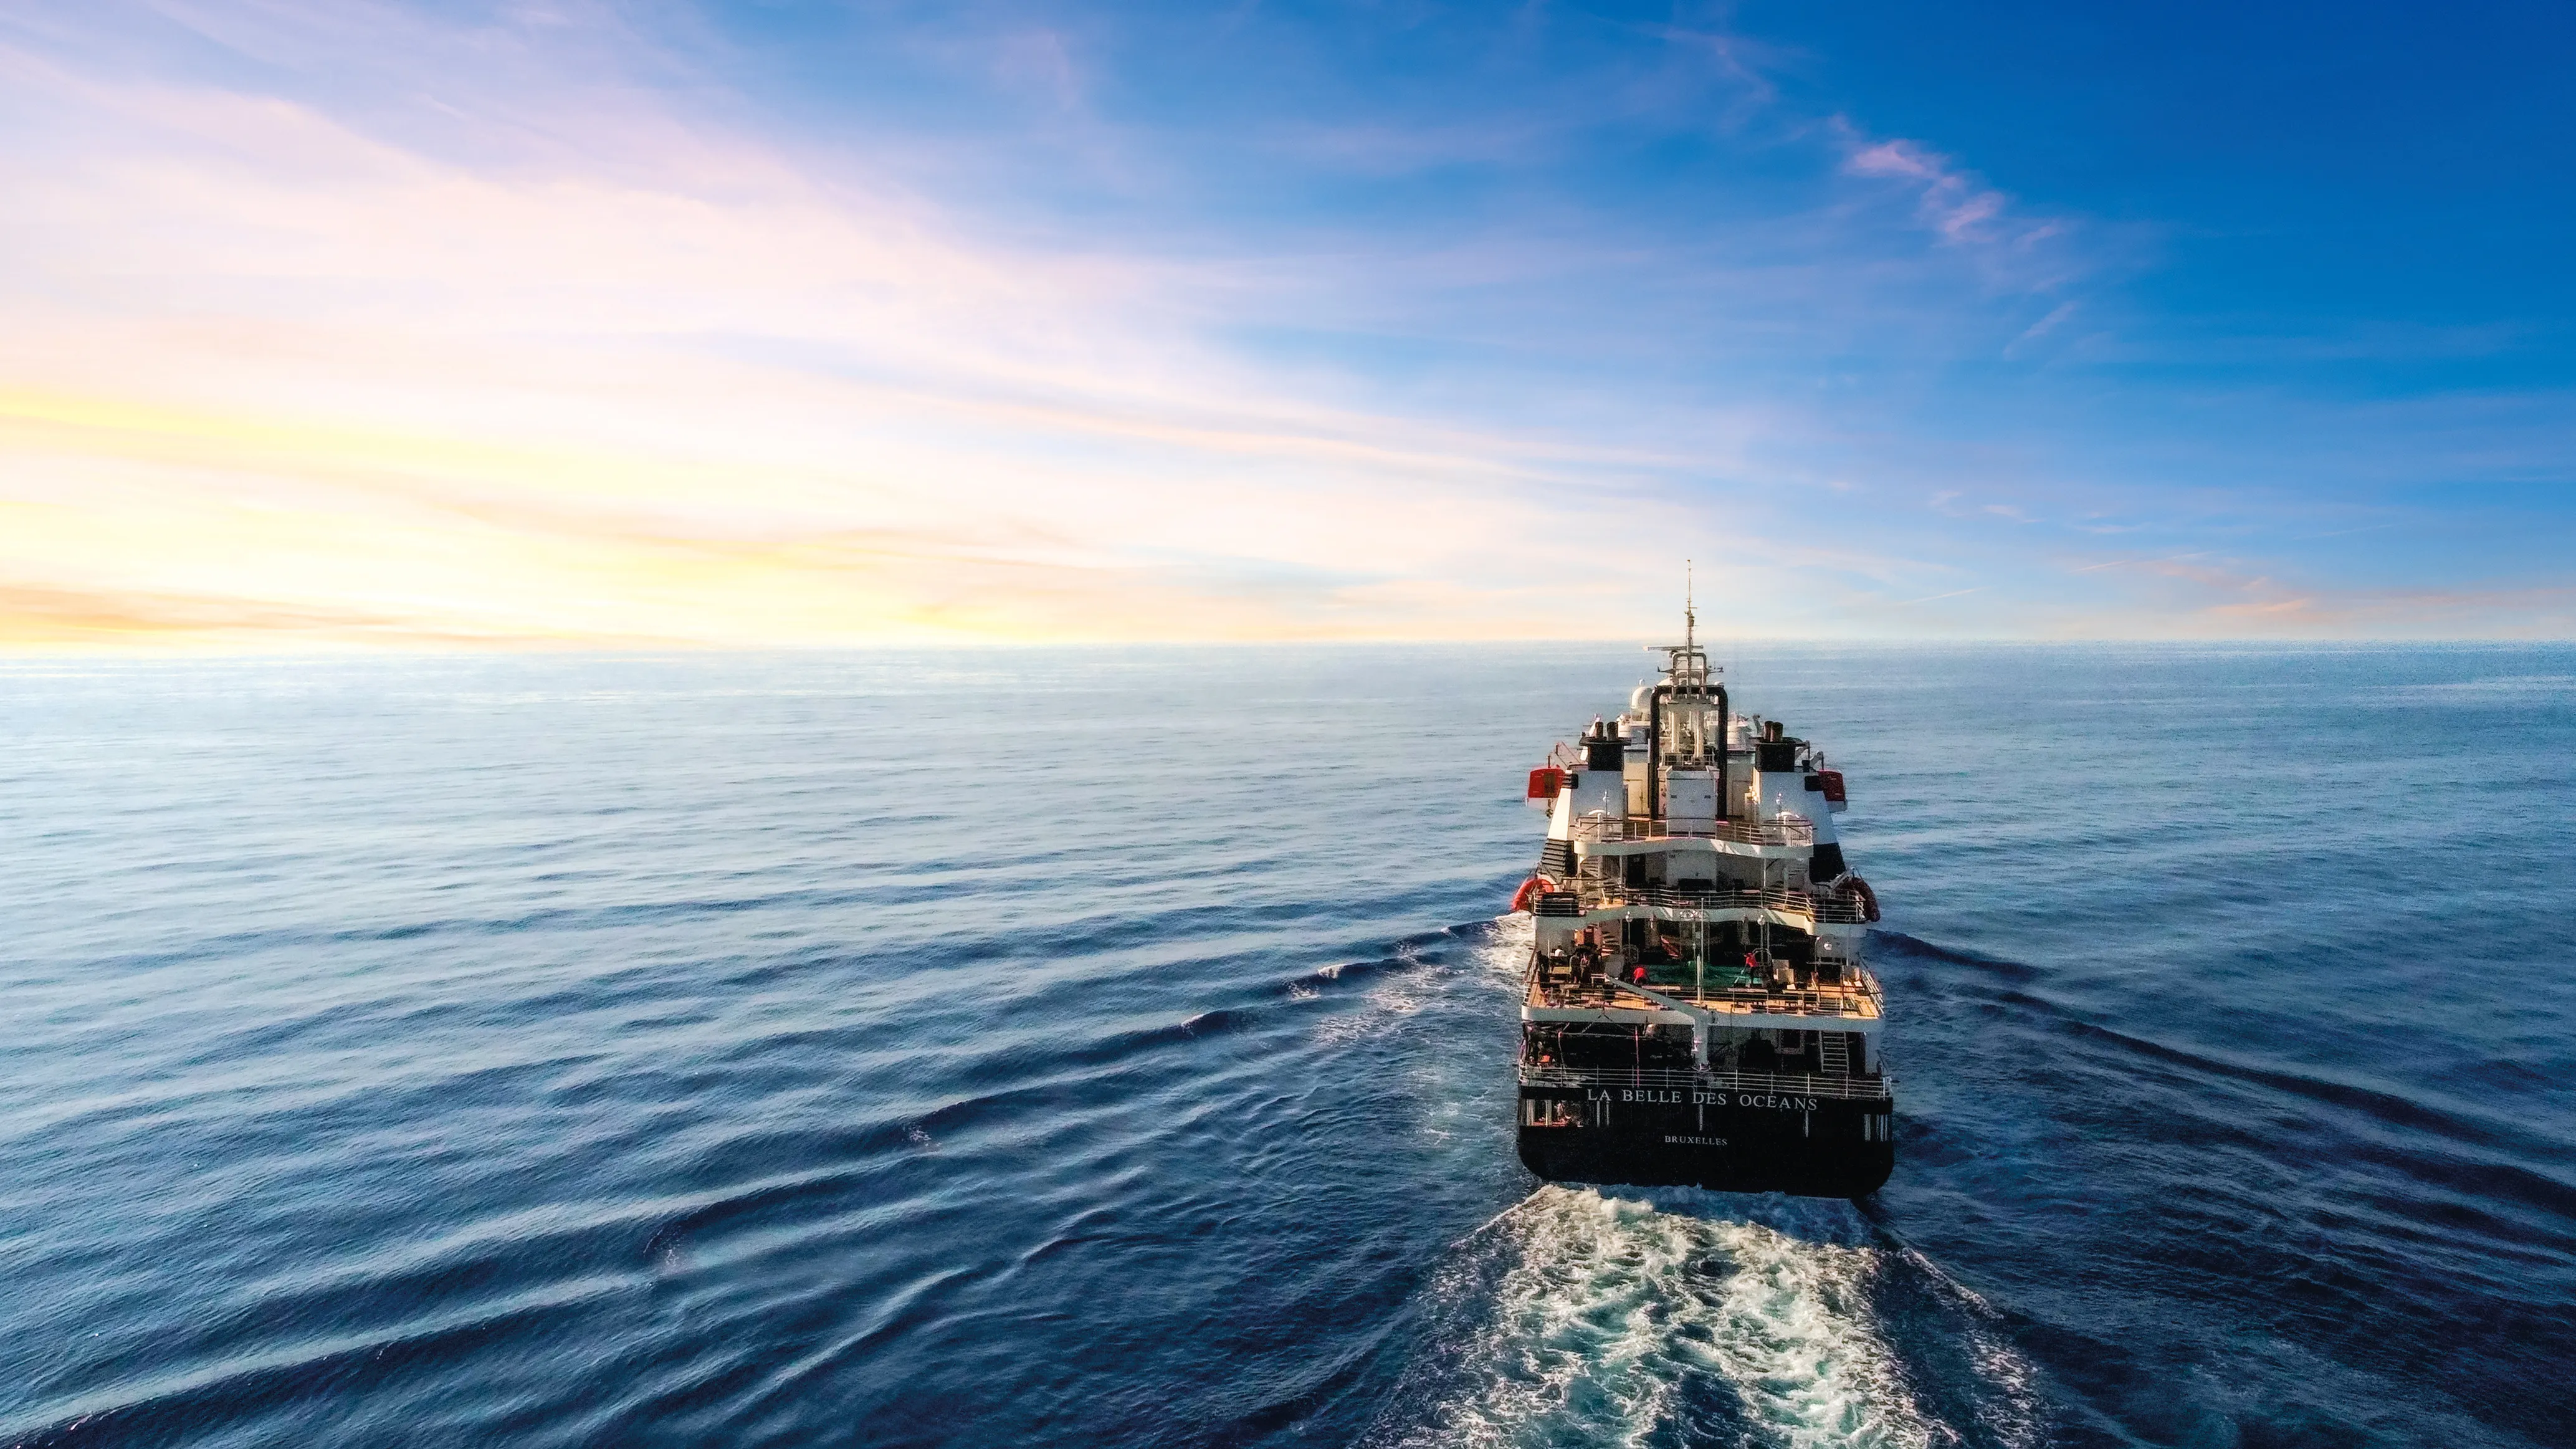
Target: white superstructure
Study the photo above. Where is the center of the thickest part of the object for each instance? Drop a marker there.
(1698, 932)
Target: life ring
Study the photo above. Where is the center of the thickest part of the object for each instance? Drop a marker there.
(1529, 890)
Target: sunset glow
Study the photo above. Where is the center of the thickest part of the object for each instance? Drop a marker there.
(377, 324)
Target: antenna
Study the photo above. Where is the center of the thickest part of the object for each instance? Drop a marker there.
(1690, 611)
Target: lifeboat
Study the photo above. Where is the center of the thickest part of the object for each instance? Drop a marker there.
(1852, 887)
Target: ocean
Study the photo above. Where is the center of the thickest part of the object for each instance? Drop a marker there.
(1114, 1047)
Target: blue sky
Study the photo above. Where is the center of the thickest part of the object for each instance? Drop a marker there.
(819, 322)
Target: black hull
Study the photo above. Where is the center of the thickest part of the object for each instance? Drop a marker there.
(1727, 1141)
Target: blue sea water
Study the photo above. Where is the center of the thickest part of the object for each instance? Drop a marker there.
(1113, 1047)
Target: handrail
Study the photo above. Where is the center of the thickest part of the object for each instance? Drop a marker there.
(1781, 830)
(1857, 981)
(1684, 1079)
(1860, 999)
(1604, 894)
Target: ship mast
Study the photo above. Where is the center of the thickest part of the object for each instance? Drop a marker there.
(1686, 664)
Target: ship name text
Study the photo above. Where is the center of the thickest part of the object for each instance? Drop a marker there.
(1678, 1097)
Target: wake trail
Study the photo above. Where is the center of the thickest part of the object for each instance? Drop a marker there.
(1627, 1317)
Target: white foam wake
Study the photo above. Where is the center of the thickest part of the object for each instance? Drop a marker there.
(1497, 963)
(1632, 1318)
(1507, 951)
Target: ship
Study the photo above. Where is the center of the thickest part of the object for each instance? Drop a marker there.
(1695, 1010)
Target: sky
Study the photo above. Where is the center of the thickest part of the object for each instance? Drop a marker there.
(800, 323)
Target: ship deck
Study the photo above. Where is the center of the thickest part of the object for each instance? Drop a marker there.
(1851, 1005)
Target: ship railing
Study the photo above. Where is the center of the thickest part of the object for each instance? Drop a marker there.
(1782, 830)
(1838, 910)
(1857, 997)
(1683, 1079)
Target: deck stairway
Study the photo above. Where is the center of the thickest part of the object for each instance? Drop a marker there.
(1834, 1053)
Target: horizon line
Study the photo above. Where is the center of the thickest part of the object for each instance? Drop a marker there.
(513, 648)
